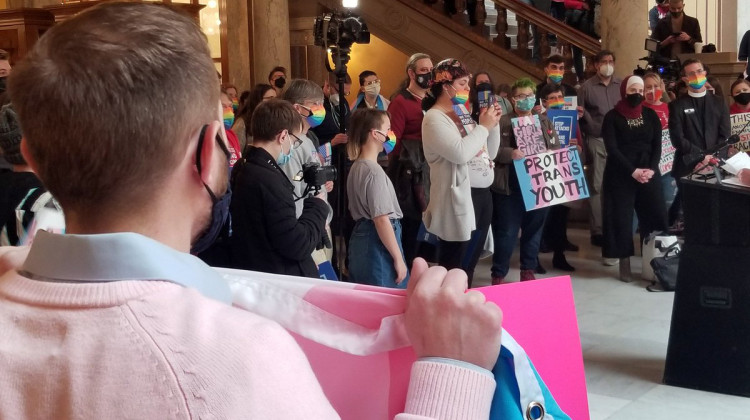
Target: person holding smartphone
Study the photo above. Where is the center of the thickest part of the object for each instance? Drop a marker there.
(678, 32)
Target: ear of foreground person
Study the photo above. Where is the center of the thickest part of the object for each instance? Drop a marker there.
(115, 319)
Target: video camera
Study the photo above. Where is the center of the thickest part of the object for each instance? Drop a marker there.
(338, 31)
(667, 69)
(315, 176)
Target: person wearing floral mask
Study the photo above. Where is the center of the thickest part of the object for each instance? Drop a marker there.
(697, 122)
(451, 141)
(369, 92)
(376, 255)
(632, 135)
(741, 95)
(598, 95)
(509, 213)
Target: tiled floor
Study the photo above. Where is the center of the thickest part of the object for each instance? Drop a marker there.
(624, 333)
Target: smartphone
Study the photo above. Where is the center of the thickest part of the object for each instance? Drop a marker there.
(486, 98)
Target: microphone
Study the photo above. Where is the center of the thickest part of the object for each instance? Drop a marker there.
(693, 159)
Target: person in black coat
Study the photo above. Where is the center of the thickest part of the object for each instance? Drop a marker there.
(697, 122)
(266, 234)
(677, 32)
(632, 137)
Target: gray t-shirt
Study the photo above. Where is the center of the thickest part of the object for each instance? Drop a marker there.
(371, 192)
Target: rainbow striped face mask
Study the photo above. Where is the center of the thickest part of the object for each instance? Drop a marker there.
(697, 81)
(461, 97)
(235, 105)
(556, 103)
(228, 115)
(390, 140)
(556, 76)
(317, 115)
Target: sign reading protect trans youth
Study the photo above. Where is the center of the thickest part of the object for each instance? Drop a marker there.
(551, 178)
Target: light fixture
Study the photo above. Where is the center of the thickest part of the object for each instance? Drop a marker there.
(350, 4)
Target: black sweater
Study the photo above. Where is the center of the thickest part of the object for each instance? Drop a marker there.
(632, 144)
(266, 234)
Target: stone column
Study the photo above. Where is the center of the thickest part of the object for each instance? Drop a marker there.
(237, 39)
(269, 37)
(624, 26)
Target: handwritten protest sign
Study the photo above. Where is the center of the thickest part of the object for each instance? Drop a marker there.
(565, 123)
(551, 178)
(528, 133)
(739, 122)
(667, 153)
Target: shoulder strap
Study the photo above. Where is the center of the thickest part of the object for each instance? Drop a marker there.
(456, 120)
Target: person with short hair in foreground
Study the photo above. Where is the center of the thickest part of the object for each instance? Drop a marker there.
(115, 319)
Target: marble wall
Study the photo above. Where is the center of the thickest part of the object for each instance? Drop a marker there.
(624, 30)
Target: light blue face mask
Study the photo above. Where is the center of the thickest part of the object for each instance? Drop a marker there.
(526, 104)
(284, 157)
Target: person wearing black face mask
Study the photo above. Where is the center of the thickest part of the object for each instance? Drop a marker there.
(741, 94)
(678, 32)
(407, 166)
(277, 79)
(632, 135)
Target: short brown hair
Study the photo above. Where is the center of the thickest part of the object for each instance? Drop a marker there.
(275, 69)
(272, 117)
(360, 123)
(110, 99)
(4, 55)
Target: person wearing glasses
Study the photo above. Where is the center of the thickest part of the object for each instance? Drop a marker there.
(267, 233)
(697, 121)
(369, 92)
(307, 99)
(509, 213)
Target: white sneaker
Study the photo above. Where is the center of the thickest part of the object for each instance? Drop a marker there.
(609, 262)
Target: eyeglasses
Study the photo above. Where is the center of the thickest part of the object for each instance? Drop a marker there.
(522, 97)
(696, 73)
(297, 142)
(372, 82)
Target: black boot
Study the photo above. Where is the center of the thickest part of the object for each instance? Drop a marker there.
(559, 262)
(539, 269)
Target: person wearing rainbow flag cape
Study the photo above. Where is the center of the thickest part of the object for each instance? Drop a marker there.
(376, 255)
(697, 121)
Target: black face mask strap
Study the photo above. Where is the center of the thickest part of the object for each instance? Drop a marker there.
(198, 157)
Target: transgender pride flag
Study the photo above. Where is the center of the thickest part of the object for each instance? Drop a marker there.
(355, 339)
(551, 178)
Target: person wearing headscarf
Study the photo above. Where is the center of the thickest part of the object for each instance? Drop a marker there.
(632, 137)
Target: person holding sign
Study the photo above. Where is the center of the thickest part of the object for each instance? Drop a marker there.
(653, 91)
(632, 136)
(740, 91)
(459, 154)
(522, 133)
(375, 252)
(556, 226)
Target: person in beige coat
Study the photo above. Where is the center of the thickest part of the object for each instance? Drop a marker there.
(451, 141)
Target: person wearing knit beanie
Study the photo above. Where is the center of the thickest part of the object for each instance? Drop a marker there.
(10, 136)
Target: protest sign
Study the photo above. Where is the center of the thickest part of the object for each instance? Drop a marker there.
(528, 134)
(667, 153)
(565, 122)
(571, 103)
(551, 178)
(740, 128)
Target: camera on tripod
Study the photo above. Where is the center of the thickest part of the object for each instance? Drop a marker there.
(667, 69)
(315, 176)
(340, 30)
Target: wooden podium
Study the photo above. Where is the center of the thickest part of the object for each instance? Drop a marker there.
(709, 338)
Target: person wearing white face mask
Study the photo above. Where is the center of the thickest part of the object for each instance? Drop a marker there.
(369, 92)
(598, 95)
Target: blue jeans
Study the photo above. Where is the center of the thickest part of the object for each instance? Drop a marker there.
(508, 216)
(369, 260)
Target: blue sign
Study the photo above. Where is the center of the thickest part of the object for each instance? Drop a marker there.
(565, 123)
